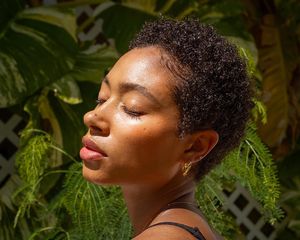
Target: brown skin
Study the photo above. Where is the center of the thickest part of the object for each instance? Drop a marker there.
(138, 133)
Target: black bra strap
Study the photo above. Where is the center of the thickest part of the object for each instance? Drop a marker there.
(194, 231)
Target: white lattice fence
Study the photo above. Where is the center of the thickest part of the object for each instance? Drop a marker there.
(10, 124)
(244, 208)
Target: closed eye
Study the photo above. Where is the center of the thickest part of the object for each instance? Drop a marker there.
(100, 101)
(132, 113)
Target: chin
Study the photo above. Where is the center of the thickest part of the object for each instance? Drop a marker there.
(95, 176)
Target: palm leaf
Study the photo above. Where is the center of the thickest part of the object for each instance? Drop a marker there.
(275, 83)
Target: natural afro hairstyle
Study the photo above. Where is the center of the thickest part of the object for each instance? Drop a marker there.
(212, 87)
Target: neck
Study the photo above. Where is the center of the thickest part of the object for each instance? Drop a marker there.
(145, 203)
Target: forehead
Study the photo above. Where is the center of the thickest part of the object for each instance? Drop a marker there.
(144, 66)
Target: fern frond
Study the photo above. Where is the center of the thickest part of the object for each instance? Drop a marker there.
(31, 157)
(33, 165)
(96, 211)
(253, 167)
(31, 162)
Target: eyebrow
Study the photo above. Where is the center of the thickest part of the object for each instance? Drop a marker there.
(127, 87)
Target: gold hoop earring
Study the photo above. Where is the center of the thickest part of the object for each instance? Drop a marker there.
(186, 168)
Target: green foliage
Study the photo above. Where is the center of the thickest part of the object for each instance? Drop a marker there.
(253, 159)
(252, 166)
(98, 212)
(31, 160)
(122, 20)
(34, 34)
(128, 19)
(275, 26)
(41, 64)
(57, 86)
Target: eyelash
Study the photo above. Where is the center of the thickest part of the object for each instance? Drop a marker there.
(130, 113)
(100, 101)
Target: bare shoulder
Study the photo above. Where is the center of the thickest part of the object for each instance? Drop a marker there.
(164, 232)
(171, 232)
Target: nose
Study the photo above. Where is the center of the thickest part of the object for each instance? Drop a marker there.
(97, 125)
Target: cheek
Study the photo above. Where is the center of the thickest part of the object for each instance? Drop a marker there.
(146, 139)
(146, 149)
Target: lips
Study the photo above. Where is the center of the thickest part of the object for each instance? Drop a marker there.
(91, 151)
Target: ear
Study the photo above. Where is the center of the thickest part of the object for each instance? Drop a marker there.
(200, 144)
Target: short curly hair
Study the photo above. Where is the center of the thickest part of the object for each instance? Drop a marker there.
(212, 89)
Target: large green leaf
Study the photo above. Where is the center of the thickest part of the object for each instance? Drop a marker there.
(179, 8)
(143, 5)
(67, 90)
(274, 24)
(226, 17)
(275, 82)
(121, 23)
(69, 125)
(91, 64)
(8, 10)
(37, 47)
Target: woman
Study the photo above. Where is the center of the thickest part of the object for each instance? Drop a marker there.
(168, 111)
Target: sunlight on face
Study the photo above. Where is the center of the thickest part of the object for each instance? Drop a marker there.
(132, 135)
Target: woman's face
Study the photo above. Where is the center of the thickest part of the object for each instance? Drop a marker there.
(132, 136)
